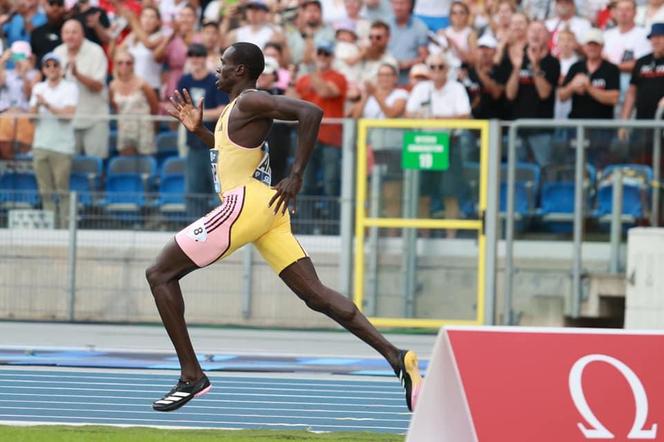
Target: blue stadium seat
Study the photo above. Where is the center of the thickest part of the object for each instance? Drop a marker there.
(171, 194)
(637, 181)
(144, 167)
(173, 166)
(81, 184)
(125, 192)
(526, 189)
(19, 190)
(557, 196)
(90, 168)
(167, 145)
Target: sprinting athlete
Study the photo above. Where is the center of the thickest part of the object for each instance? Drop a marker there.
(252, 212)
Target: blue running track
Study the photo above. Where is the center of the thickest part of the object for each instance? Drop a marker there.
(247, 402)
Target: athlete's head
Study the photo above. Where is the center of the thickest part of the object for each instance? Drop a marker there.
(240, 62)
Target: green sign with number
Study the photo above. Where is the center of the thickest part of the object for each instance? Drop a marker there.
(426, 151)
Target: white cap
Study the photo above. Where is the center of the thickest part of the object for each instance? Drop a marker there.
(593, 35)
(271, 65)
(488, 41)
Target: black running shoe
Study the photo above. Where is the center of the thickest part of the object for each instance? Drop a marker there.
(182, 393)
(408, 373)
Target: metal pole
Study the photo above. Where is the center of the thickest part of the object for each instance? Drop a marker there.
(408, 264)
(71, 256)
(371, 289)
(616, 221)
(491, 222)
(347, 202)
(247, 280)
(578, 222)
(509, 225)
(656, 160)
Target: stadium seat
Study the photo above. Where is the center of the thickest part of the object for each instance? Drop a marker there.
(173, 166)
(143, 166)
(526, 188)
(90, 168)
(125, 192)
(557, 196)
(19, 190)
(167, 146)
(81, 184)
(637, 181)
(171, 194)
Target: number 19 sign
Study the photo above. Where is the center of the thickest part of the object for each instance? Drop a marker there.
(426, 151)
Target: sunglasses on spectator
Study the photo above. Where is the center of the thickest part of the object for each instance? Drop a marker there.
(323, 53)
(437, 67)
(124, 62)
(51, 65)
(375, 37)
(56, 2)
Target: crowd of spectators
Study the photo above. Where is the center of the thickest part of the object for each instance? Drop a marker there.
(354, 58)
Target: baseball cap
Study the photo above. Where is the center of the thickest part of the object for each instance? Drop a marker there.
(656, 30)
(593, 35)
(419, 70)
(20, 50)
(51, 56)
(325, 46)
(487, 41)
(257, 4)
(345, 25)
(196, 50)
(308, 2)
(271, 65)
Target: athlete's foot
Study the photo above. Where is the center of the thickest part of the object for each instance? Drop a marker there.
(183, 392)
(408, 373)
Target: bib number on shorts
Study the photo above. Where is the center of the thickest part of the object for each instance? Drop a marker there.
(197, 232)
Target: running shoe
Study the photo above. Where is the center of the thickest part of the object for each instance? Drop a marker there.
(408, 373)
(182, 393)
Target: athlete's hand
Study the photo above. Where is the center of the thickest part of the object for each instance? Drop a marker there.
(287, 190)
(185, 111)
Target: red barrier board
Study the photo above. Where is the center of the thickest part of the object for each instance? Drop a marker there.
(514, 384)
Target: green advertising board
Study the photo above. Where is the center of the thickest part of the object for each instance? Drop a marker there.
(426, 151)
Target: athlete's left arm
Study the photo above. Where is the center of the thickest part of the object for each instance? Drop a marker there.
(308, 115)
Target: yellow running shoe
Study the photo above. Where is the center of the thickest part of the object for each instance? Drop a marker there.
(408, 373)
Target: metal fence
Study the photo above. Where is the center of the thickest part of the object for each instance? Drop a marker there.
(91, 266)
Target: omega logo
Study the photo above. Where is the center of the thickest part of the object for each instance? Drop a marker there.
(596, 429)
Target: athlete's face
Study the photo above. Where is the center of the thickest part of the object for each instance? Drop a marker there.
(226, 71)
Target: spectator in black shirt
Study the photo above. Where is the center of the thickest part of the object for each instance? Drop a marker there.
(46, 37)
(95, 22)
(646, 91)
(593, 84)
(531, 90)
(485, 81)
(485, 84)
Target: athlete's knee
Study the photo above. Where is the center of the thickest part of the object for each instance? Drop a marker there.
(155, 275)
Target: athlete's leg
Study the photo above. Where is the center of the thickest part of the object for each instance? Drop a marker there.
(163, 277)
(301, 277)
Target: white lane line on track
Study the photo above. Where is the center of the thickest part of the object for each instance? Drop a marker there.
(233, 401)
(203, 407)
(199, 415)
(355, 427)
(211, 393)
(216, 378)
(14, 381)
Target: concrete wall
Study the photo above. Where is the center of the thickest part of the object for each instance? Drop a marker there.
(111, 286)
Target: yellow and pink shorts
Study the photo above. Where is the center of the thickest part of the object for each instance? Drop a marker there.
(243, 217)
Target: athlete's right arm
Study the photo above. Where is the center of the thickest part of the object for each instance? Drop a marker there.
(191, 116)
(308, 115)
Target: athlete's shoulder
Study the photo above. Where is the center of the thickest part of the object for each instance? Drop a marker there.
(254, 100)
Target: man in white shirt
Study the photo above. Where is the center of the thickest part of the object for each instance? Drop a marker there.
(625, 43)
(54, 100)
(85, 64)
(441, 98)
